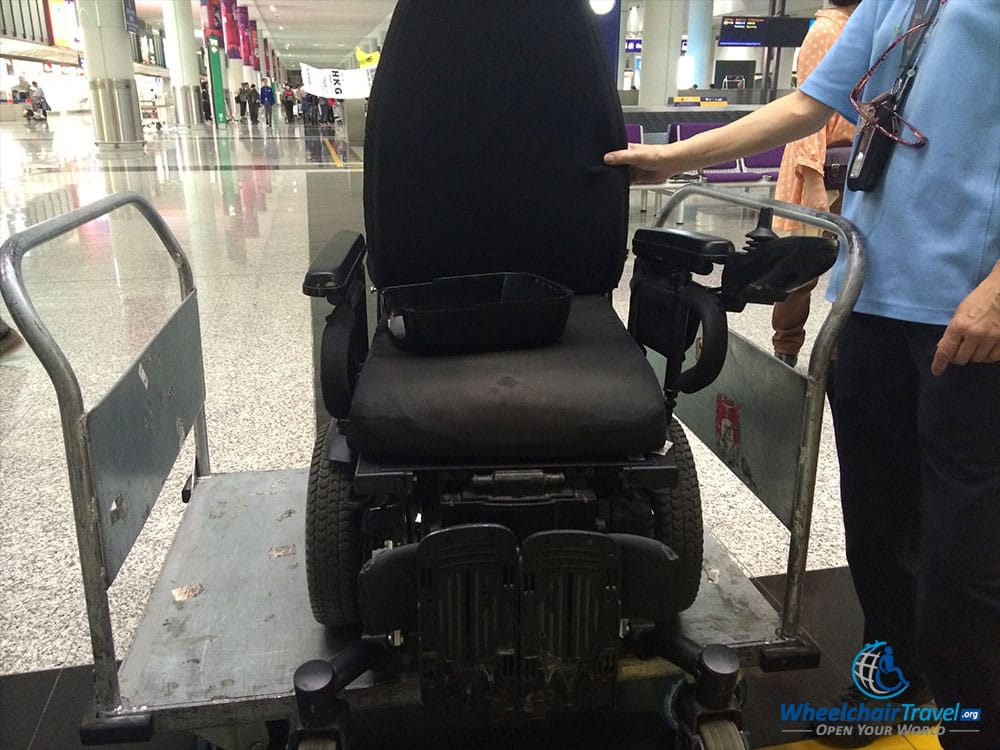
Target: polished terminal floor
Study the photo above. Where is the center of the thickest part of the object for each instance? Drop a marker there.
(249, 204)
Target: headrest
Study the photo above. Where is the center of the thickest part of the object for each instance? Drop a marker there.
(486, 128)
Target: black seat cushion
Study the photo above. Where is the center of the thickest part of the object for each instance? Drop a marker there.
(485, 136)
(591, 394)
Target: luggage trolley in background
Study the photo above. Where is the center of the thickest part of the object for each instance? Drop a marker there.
(149, 111)
(222, 633)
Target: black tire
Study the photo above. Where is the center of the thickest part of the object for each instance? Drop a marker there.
(333, 540)
(722, 734)
(677, 518)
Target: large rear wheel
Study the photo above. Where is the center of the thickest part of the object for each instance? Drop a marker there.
(671, 515)
(677, 518)
(333, 540)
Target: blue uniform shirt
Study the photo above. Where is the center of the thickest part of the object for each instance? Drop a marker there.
(932, 226)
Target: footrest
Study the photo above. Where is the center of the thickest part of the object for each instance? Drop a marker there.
(467, 585)
(570, 606)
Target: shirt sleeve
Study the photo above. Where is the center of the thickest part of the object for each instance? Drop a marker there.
(846, 62)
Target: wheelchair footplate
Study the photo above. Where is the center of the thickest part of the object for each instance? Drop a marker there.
(503, 627)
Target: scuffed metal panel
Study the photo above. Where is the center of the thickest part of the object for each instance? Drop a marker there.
(751, 417)
(137, 430)
(229, 620)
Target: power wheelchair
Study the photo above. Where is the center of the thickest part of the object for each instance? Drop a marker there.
(515, 518)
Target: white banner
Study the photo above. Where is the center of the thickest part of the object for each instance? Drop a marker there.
(329, 83)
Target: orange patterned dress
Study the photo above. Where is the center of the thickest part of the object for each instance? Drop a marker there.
(800, 179)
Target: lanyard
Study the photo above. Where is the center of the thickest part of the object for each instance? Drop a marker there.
(924, 12)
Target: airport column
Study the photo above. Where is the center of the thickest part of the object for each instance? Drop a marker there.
(700, 41)
(178, 29)
(243, 19)
(254, 53)
(234, 69)
(663, 23)
(212, 24)
(114, 99)
(623, 30)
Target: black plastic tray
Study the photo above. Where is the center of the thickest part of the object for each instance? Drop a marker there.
(483, 312)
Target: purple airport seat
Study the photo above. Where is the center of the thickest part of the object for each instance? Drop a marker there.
(766, 163)
(688, 129)
(728, 172)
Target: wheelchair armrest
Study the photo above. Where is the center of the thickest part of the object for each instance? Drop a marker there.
(707, 309)
(335, 265)
(669, 250)
(665, 312)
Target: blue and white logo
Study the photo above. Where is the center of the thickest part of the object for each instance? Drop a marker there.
(876, 674)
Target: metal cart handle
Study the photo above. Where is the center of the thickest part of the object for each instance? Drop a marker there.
(851, 240)
(23, 311)
(94, 565)
(37, 334)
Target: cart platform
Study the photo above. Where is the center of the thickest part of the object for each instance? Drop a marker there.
(229, 621)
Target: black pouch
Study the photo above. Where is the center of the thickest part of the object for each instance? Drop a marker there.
(838, 156)
(874, 146)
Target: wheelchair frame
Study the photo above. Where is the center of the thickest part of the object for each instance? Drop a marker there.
(187, 668)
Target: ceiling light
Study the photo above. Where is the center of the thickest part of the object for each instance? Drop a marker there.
(602, 7)
(281, 28)
(273, 9)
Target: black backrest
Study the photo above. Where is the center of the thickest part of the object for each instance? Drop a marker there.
(487, 125)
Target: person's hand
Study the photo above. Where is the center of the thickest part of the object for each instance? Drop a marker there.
(973, 335)
(648, 164)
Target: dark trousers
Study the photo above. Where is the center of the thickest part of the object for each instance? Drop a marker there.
(920, 486)
(267, 113)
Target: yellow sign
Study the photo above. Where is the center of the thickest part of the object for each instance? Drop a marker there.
(700, 101)
(714, 101)
(366, 59)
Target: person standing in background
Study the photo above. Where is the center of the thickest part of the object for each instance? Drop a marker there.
(288, 100)
(38, 102)
(800, 179)
(267, 100)
(253, 102)
(242, 98)
(206, 102)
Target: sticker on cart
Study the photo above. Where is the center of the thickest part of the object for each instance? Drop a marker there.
(727, 438)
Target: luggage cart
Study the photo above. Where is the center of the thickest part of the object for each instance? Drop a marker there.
(223, 633)
(790, 427)
(149, 112)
